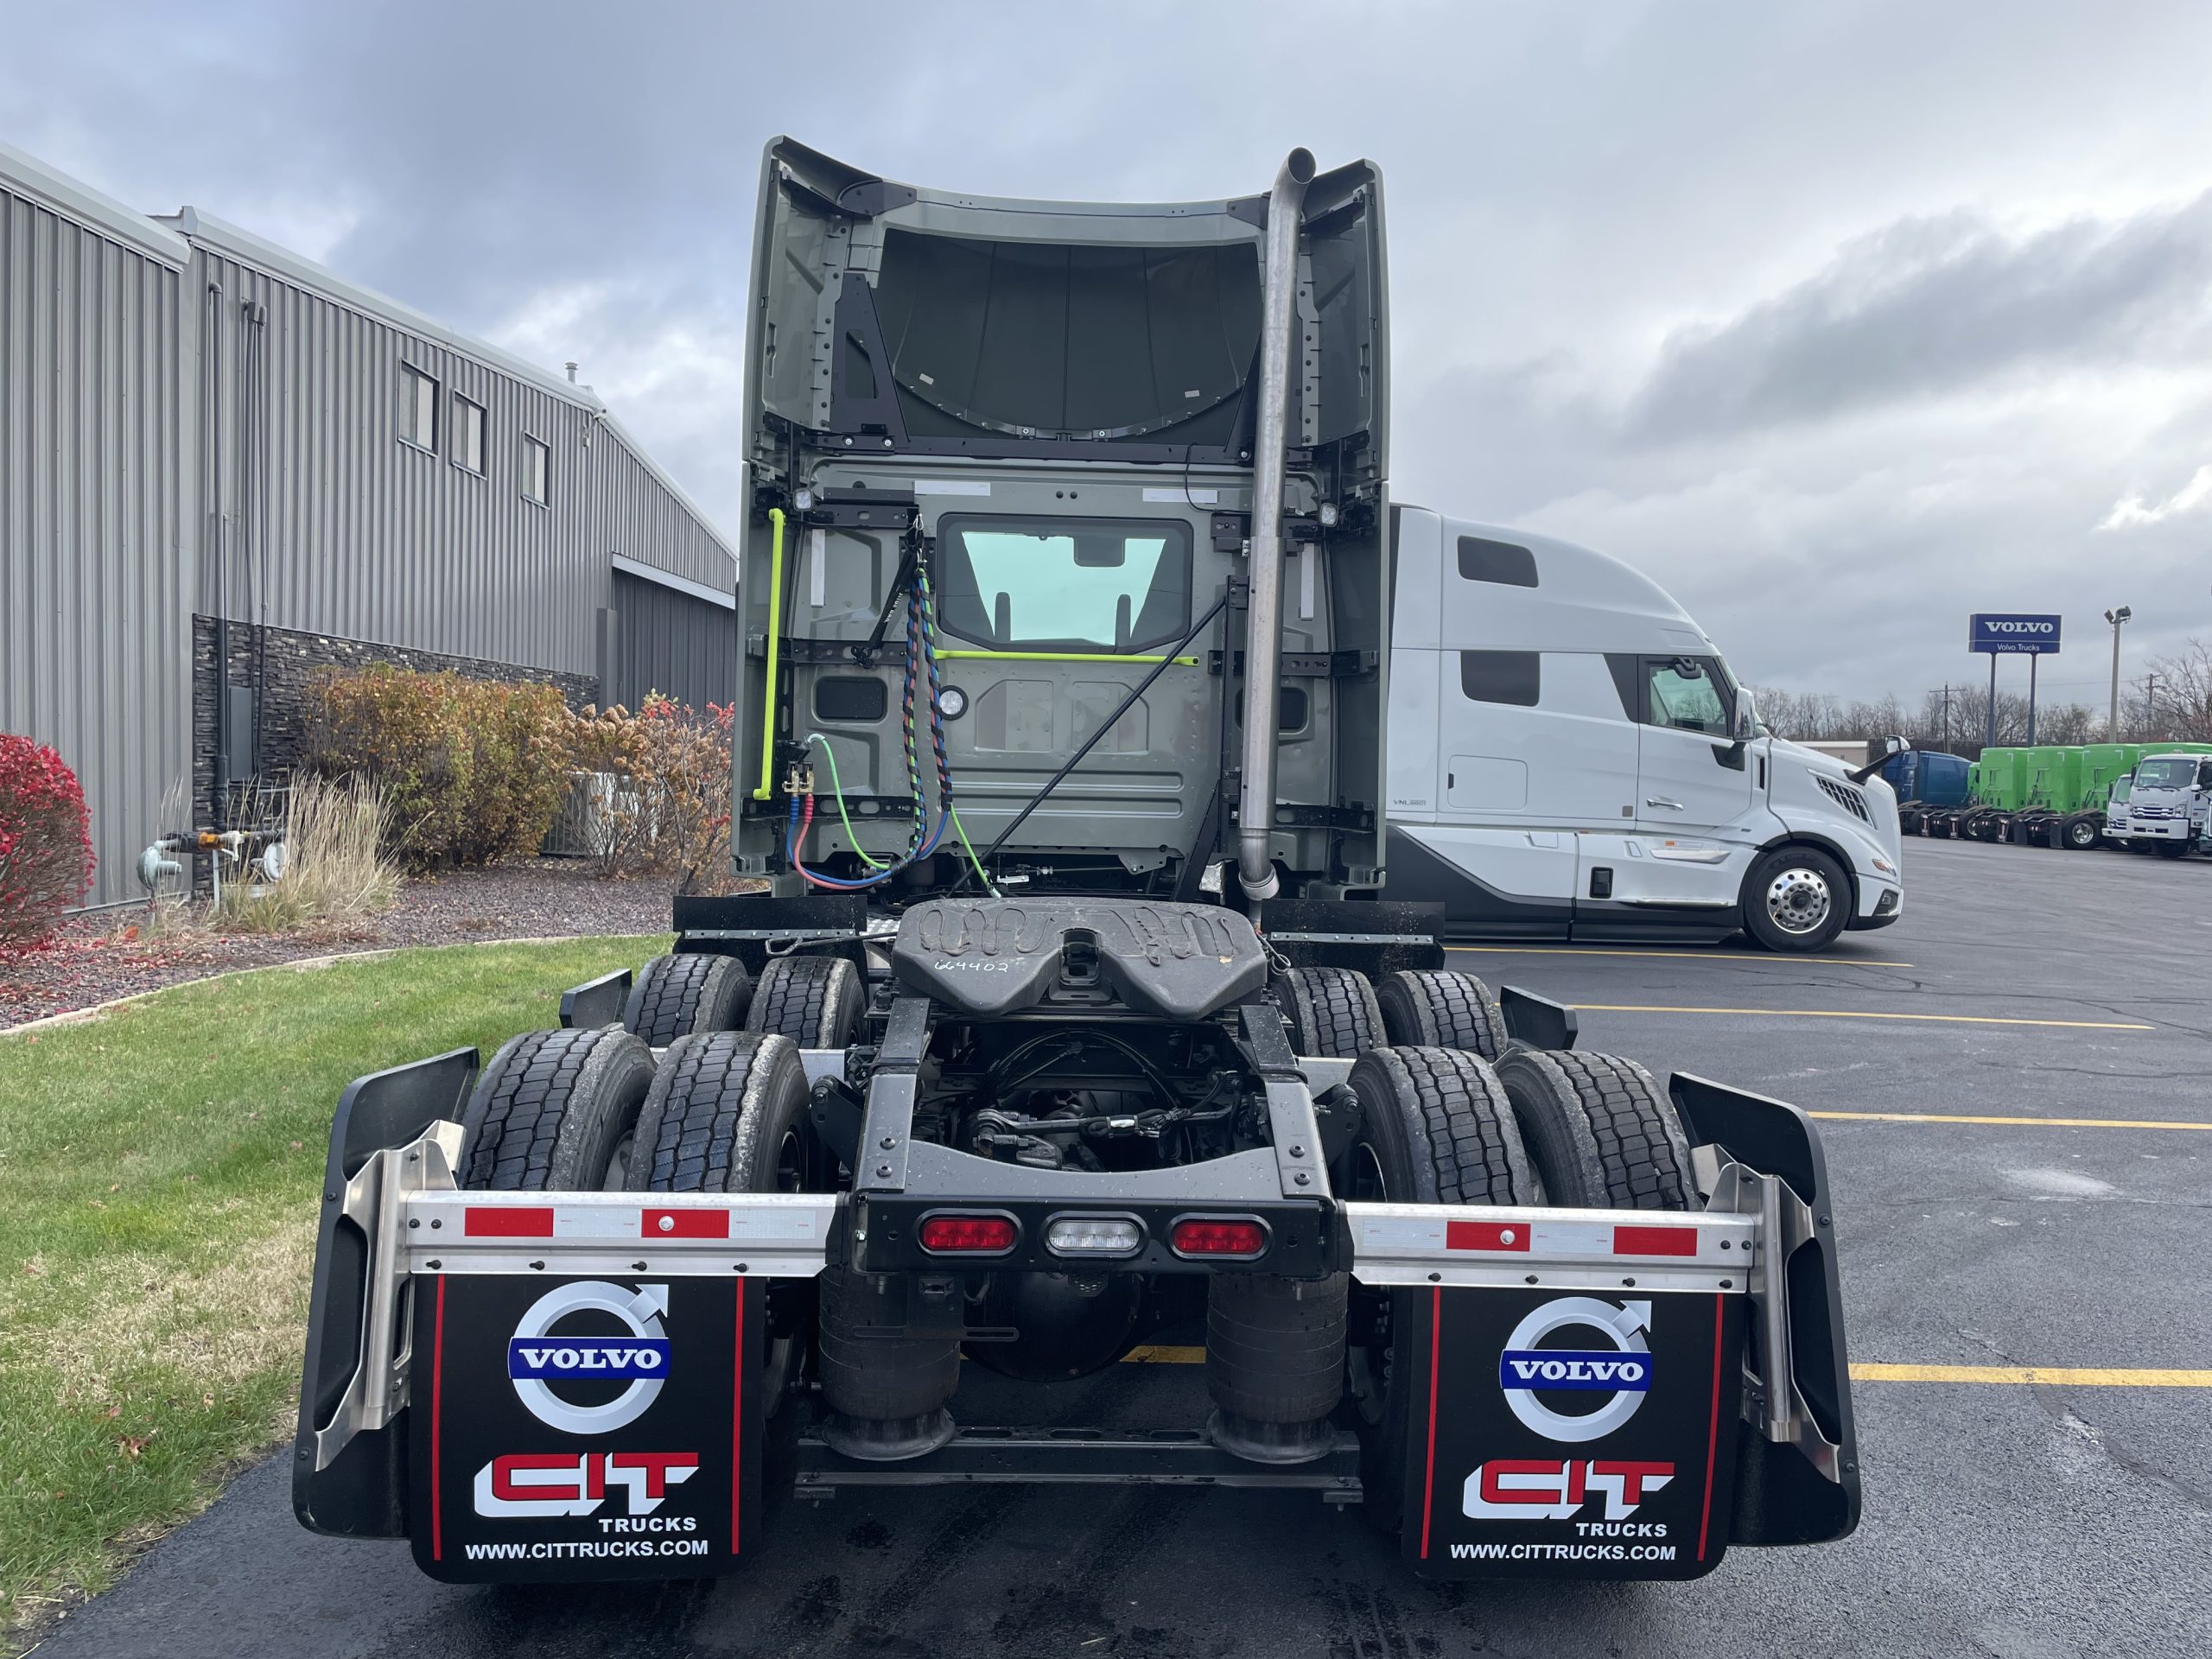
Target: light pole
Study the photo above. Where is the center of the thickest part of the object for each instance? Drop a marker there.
(2112, 721)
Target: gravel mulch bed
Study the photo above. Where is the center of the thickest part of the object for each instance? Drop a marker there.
(96, 959)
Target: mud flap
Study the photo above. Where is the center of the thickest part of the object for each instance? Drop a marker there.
(361, 1493)
(572, 1430)
(1806, 1489)
(1574, 1435)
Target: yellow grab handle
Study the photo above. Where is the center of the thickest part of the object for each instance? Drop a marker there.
(775, 635)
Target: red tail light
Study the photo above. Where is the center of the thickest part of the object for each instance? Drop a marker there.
(968, 1234)
(1219, 1238)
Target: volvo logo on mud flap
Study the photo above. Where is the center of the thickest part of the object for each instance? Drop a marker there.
(537, 1358)
(1624, 1370)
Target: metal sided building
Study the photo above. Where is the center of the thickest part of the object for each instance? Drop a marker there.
(213, 450)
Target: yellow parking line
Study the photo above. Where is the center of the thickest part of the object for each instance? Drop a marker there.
(2047, 1122)
(2087, 1378)
(1164, 1354)
(2077, 1376)
(1861, 1014)
(1776, 958)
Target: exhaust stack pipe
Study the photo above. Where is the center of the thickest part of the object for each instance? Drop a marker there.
(1256, 799)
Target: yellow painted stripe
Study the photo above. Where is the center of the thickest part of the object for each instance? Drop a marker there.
(2087, 1378)
(1164, 1354)
(2078, 1376)
(1861, 1013)
(2045, 1122)
(1771, 958)
(1062, 657)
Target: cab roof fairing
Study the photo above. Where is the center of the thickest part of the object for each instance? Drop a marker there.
(819, 355)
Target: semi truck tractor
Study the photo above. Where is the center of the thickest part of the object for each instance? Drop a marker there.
(2077, 796)
(1572, 758)
(1077, 1009)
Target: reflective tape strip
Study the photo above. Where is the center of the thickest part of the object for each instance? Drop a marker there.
(685, 1223)
(486, 1221)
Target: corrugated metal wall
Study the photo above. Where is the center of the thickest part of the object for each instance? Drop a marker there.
(672, 643)
(95, 624)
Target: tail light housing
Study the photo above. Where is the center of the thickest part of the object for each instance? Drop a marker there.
(1219, 1238)
(968, 1234)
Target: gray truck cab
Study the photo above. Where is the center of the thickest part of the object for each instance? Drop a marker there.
(1051, 410)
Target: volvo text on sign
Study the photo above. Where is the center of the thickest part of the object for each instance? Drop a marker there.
(2005, 633)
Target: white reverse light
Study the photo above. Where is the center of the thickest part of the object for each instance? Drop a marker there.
(1093, 1235)
(952, 702)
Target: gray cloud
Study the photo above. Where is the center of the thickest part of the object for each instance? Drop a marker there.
(1737, 291)
(1937, 306)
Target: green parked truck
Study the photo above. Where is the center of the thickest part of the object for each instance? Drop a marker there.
(2057, 795)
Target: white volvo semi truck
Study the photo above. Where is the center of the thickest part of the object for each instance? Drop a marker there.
(1571, 759)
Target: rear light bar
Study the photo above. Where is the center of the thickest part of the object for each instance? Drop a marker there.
(968, 1234)
(1233, 1238)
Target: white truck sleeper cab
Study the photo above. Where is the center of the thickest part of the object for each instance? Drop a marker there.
(1571, 759)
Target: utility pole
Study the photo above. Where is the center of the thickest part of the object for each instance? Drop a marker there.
(1947, 716)
(2151, 705)
(2112, 721)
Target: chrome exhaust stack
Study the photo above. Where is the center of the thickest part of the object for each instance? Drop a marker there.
(1255, 797)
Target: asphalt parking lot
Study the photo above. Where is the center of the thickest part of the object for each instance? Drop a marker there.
(2020, 1520)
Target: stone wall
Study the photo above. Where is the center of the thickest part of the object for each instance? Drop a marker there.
(295, 661)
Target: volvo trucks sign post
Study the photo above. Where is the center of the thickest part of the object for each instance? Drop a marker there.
(2011, 634)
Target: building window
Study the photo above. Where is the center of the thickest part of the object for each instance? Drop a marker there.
(468, 435)
(418, 408)
(1514, 676)
(536, 470)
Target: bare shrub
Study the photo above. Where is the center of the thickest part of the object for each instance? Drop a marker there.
(338, 869)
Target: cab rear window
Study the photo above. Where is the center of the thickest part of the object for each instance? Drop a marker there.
(1081, 585)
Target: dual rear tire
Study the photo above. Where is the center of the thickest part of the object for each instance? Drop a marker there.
(1444, 1125)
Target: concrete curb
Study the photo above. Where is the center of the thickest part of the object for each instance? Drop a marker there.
(299, 965)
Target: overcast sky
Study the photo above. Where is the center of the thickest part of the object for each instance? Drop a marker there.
(1841, 321)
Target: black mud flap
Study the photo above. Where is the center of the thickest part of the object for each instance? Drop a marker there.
(363, 1493)
(1573, 1436)
(1537, 1020)
(571, 1429)
(1783, 1496)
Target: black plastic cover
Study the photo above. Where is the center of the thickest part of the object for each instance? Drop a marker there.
(1781, 1497)
(994, 957)
(363, 1493)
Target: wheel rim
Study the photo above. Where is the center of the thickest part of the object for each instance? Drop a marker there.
(1798, 900)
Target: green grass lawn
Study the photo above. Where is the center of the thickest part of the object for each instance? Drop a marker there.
(158, 1173)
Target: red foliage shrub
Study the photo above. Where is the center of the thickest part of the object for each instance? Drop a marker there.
(46, 844)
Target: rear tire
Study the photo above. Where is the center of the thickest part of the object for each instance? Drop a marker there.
(814, 1000)
(555, 1111)
(1332, 1012)
(679, 994)
(1600, 1130)
(726, 1114)
(1441, 1009)
(1795, 898)
(1436, 1127)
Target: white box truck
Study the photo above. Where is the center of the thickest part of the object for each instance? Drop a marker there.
(2166, 810)
(1571, 759)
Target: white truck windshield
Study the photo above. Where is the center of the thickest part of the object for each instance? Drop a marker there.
(2177, 772)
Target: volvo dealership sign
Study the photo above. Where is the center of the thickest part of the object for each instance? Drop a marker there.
(2005, 633)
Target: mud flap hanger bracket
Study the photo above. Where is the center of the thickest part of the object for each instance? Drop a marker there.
(1772, 1398)
(371, 1202)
